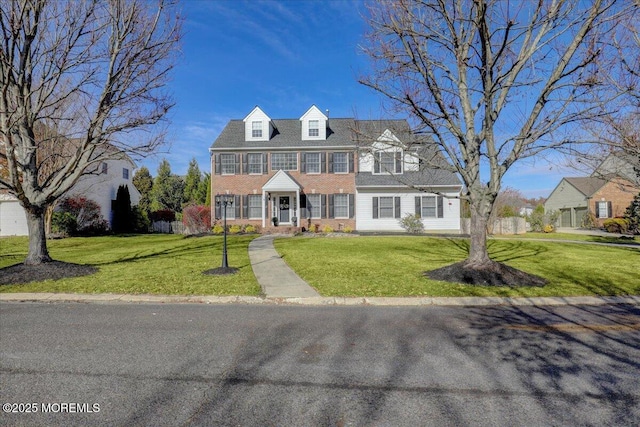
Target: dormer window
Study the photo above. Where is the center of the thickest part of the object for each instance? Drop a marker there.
(256, 129)
(314, 128)
(388, 162)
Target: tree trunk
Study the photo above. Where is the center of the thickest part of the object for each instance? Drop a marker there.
(478, 253)
(38, 252)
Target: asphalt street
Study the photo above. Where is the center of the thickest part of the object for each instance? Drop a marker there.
(66, 364)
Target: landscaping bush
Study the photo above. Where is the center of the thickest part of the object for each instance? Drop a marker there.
(217, 229)
(123, 221)
(141, 223)
(616, 225)
(412, 223)
(327, 229)
(197, 219)
(548, 228)
(163, 215)
(63, 223)
(250, 229)
(588, 221)
(235, 229)
(348, 229)
(313, 228)
(87, 215)
(539, 219)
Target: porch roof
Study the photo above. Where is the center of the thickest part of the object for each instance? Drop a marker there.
(281, 181)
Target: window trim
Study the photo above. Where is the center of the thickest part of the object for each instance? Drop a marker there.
(398, 160)
(335, 205)
(256, 127)
(249, 207)
(260, 163)
(284, 153)
(306, 163)
(222, 164)
(346, 162)
(319, 206)
(315, 128)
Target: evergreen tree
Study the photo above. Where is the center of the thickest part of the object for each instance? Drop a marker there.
(122, 218)
(204, 191)
(168, 189)
(143, 181)
(192, 183)
(207, 180)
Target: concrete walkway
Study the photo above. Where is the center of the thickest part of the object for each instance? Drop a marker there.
(275, 277)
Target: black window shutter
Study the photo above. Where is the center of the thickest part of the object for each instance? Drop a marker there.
(351, 162)
(375, 208)
(376, 162)
(303, 162)
(597, 209)
(323, 162)
(330, 162)
(265, 168)
(331, 209)
(440, 207)
(419, 206)
(245, 206)
(352, 200)
(236, 202)
(609, 210)
(237, 165)
(396, 205)
(218, 166)
(303, 206)
(218, 212)
(245, 163)
(399, 162)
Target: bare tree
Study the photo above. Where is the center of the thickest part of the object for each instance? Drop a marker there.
(492, 82)
(92, 73)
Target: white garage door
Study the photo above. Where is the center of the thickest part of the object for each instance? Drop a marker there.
(13, 221)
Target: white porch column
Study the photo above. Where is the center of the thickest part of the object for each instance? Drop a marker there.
(298, 206)
(264, 202)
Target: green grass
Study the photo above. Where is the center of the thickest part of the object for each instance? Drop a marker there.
(574, 237)
(142, 264)
(393, 266)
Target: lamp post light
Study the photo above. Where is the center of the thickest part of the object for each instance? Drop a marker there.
(223, 201)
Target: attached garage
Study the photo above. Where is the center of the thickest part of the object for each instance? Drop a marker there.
(13, 221)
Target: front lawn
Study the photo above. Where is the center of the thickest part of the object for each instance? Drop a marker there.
(142, 264)
(393, 266)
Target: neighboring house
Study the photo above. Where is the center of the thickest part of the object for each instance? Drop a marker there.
(574, 197)
(100, 186)
(311, 170)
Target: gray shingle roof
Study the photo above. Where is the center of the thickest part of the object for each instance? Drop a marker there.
(288, 134)
(586, 185)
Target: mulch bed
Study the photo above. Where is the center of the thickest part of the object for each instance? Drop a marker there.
(497, 274)
(54, 270)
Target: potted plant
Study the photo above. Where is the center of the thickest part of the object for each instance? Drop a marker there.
(294, 220)
(274, 220)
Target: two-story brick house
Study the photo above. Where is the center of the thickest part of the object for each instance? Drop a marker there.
(312, 170)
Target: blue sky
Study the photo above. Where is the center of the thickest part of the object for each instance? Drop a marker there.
(283, 56)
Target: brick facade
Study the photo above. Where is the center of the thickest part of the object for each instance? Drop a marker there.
(618, 193)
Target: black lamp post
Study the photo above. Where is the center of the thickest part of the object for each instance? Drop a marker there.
(224, 201)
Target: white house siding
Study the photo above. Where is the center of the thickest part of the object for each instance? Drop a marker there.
(450, 223)
(103, 188)
(13, 221)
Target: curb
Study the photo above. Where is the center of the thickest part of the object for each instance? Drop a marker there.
(321, 301)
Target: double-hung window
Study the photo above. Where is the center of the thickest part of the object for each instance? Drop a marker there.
(125, 173)
(314, 128)
(388, 162)
(341, 206)
(284, 161)
(312, 163)
(429, 207)
(254, 163)
(256, 129)
(228, 164)
(313, 206)
(603, 209)
(255, 206)
(385, 209)
(340, 162)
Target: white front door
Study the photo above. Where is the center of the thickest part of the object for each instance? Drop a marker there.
(284, 209)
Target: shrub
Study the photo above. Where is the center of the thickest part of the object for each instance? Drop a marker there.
(86, 212)
(327, 229)
(538, 219)
(616, 225)
(63, 223)
(141, 223)
(348, 229)
(548, 228)
(588, 221)
(123, 221)
(313, 228)
(218, 229)
(412, 223)
(235, 229)
(250, 229)
(163, 215)
(196, 219)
